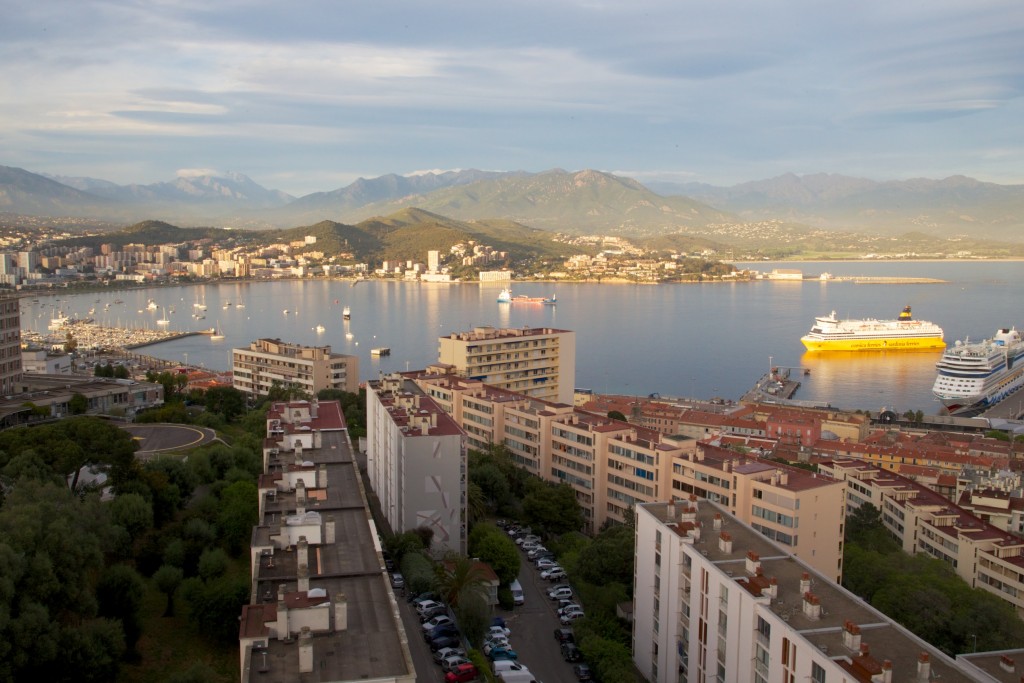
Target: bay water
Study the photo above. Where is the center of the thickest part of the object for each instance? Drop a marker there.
(688, 340)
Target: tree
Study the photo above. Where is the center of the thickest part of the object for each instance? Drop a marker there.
(239, 513)
(78, 404)
(617, 415)
(609, 558)
(459, 577)
(213, 563)
(133, 512)
(552, 508)
(70, 343)
(119, 592)
(494, 547)
(227, 402)
(167, 580)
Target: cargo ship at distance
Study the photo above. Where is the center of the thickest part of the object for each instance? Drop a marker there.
(973, 377)
(829, 333)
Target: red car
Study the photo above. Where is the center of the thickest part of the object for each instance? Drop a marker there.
(463, 673)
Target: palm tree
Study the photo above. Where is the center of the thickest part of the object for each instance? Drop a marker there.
(459, 577)
(476, 502)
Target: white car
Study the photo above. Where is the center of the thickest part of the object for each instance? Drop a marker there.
(534, 552)
(523, 540)
(497, 632)
(452, 661)
(553, 573)
(427, 605)
(560, 593)
(496, 642)
(546, 564)
(568, 609)
(446, 652)
(571, 617)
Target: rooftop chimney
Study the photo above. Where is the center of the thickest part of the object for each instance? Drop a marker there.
(924, 668)
(753, 562)
(329, 533)
(851, 636)
(718, 521)
(1006, 663)
(805, 583)
(303, 575)
(886, 675)
(305, 651)
(302, 551)
(725, 542)
(812, 606)
(340, 612)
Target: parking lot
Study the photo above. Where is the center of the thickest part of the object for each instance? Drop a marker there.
(533, 626)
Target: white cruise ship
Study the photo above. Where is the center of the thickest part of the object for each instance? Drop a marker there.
(975, 376)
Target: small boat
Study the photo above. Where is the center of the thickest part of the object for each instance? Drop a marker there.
(380, 351)
(239, 305)
(152, 305)
(286, 311)
(217, 335)
(197, 305)
(164, 320)
(346, 313)
(319, 329)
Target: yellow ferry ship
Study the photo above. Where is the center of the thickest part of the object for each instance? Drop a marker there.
(829, 333)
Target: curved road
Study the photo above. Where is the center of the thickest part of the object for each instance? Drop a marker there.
(155, 439)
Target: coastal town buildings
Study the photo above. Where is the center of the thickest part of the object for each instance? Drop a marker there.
(322, 608)
(716, 600)
(416, 462)
(923, 521)
(613, 466)
(270, 362)
(539, 362)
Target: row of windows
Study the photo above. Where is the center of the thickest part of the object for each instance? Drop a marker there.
(772, 516)
(632, 455)
(775, 535)
(573, 436)
(631, 485)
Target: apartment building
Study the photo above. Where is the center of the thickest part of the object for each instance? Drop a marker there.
(921, 520)
(10, 344)
(714, 600)
(800, 510)
(539, 362)
(322, 608)
(270, 362)
(416, 462)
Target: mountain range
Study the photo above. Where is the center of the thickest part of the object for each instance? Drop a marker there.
(580, 202)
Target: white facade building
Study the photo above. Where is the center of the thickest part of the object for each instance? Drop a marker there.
(416, 461)
(716, 601)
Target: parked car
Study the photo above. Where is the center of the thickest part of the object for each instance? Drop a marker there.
(571, 617)
(443, 642)
(530, 545)
(553, 573)
(565, 635)
(420, 597)
(560, 593)
(532, 554)
(571, 653)
(503, 665)
(582, 672)
(433, 623)
(446, 652)
(502, 653)
(397, 580)
(495, 643)
(426, 605)
(546, 555)
(527, 538)
(453, 662)
(462, 674)
(443, 630)
(498, 632)
(544, 563)
(569, 609)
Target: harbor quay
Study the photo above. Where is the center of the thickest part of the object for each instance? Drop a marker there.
(89, 336)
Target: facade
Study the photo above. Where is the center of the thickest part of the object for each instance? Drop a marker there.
(42, 362)
(322, 608)
(310, 368)
(714, 600)
(536, 362)
(416, 462)
(10, 345)
(921, 520)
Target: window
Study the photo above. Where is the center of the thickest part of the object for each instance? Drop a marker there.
(817, 673)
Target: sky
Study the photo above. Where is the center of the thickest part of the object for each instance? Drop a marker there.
(308, 96)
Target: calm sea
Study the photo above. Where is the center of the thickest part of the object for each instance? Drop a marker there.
(675, 340)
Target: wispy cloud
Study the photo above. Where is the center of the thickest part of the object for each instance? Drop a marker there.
(720, 92)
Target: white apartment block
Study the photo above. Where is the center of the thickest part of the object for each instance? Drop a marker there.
(416, 462)
(714, 600)
(310, 368)
(921, 520)
(536, 362)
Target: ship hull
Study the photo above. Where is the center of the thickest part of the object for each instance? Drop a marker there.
(888, 344)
